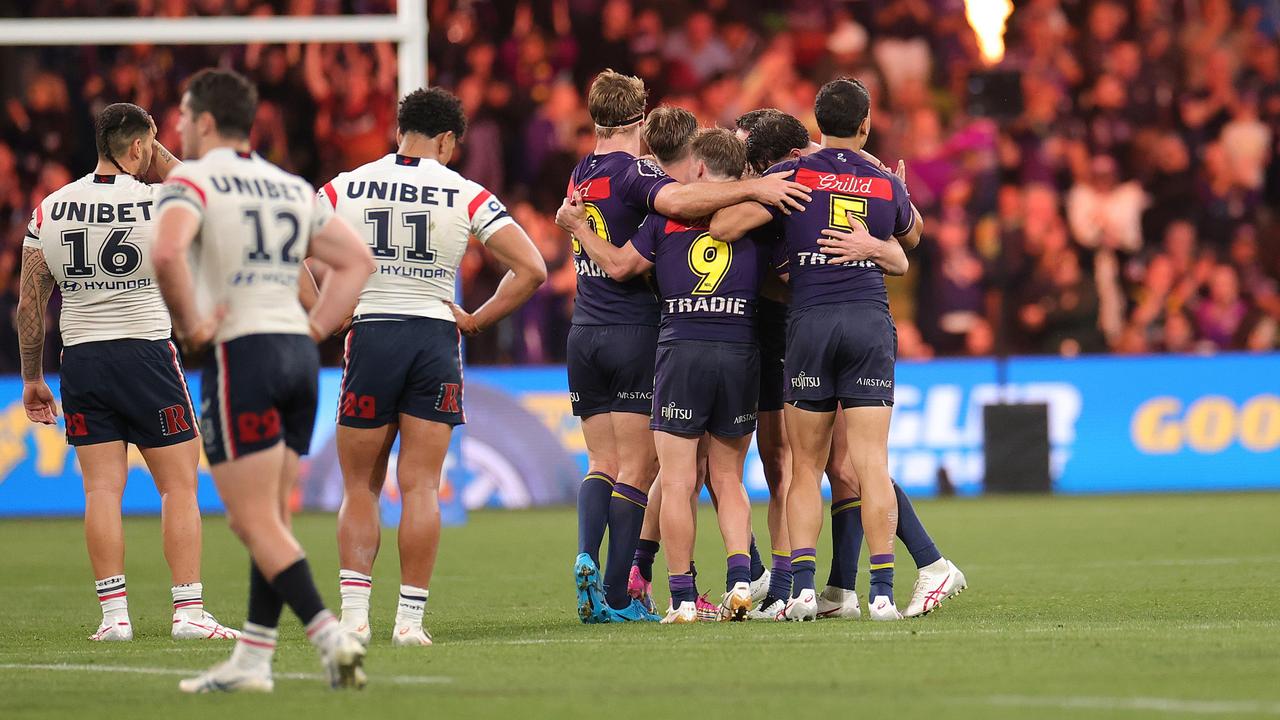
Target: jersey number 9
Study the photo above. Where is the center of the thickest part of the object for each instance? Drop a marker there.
(709, 259)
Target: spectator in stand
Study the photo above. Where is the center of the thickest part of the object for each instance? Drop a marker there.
(1220, 315)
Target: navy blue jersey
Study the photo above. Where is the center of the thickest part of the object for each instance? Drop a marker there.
(708, 287)
(843, 183)
(618, 190)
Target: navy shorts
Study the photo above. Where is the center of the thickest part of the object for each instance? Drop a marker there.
(258, 390)
(771, 336)
(706, 386)
(130, 390)
(401, 364)
(843, 351)
(611, 368)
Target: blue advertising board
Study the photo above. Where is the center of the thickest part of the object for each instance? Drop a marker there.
(1117, 424)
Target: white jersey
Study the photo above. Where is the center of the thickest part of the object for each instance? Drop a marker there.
(417, 216)
(96, 234)
(256, 222)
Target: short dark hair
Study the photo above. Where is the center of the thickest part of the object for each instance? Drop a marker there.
(721, 150)
(431, 111)
(841, 106)
(117, 126)
(668, 131)
(226, 95)
(747, 120)
(775, 135)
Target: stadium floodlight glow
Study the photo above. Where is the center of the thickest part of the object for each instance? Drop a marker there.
(407, 29)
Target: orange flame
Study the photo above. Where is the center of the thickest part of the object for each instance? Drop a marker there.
(987, 18)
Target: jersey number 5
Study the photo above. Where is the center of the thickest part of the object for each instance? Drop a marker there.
(709, 259)
(845, 207)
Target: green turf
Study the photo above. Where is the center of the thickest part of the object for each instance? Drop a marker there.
(1078, 607)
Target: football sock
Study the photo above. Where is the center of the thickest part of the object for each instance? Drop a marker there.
(323, 630)
(757, 565)
(912, 532)
(881, 576)
(626, 517)
(113, 598)
(646, 550)
(739, 570)
(265, 604)
(780, 577)
(255, 646)
(593, 512)
(296, 587)
(846, 542)
(803, 562)
(413, 602)
(355, 589)
(188, 600)
(683, 589)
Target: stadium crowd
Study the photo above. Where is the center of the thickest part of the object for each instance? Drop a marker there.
(1131, 204)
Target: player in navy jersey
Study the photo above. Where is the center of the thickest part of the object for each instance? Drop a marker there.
(774, 137)
(613, 340)
(706, 351)
(841, 342)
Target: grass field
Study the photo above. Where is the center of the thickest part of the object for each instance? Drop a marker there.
(1121, 607)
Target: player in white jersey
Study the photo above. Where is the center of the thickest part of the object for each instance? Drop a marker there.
(121, 381)
(403, 363)
(252, 224)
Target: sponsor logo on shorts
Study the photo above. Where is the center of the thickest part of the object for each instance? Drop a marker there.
(76, 426)
(875, 382)
(671, 412)
(749, 417)
(635, 395)
(805, 381)
(574, 397)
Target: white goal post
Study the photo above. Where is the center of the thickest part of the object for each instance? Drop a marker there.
(407, 28)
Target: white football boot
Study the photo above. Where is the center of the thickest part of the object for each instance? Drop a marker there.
(410, 635)
(801, 609)
(686, 613)
(935, 583)
(204, 627)
(881, 608)
(357, 623)
(343, 661)
(772, 611)
(736, 603)
(230, 677)
(760, 587)
(834, 602)
(115, 630)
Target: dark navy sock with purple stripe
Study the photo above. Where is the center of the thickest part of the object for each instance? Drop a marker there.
(593, 513)
(780, 576)
(297, 588)
(912, 532)
(265, 605)
(846, 542)
(739, 570)
(683, 589)
(881, 576)
(803, 563)
(757, 565)
(646, 550)
(626, 517)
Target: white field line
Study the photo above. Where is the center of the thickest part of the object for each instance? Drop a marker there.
(1144, 704)
(1152, 562)
(134, 670)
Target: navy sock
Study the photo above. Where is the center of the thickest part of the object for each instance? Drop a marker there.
(912, 532)
(780, 577)
(296, 587)
(593, 513)
(626, 517)
(739, 570)
(683, 589)
(803, 563)
(757, 565)
(646, 550)
(265, 605)
(846, 542)
(881, 576)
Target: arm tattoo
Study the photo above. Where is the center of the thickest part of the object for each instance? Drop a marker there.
(37, 285)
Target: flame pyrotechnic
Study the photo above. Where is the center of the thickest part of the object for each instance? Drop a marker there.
(987, 18)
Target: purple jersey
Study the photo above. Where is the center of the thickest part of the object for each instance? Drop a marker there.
(708, 287)
(843, 183)
(618, 190)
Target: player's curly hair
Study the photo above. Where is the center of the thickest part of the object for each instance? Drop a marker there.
(774, 136)
(747, 121)
(226, 95)
(841, 106)
(431, 111)
(667, 132)
(117, 126)
(722, 151)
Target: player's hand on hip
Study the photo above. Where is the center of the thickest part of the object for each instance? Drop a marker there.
(846, 246)
(467, 324)
(776, 190)
(37, 400)
(199, 334)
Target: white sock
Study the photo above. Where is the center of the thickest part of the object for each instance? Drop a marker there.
(188, 600)
(413, 602)
(113, 598)
(355, 589)
(256, 646)
(322, 630)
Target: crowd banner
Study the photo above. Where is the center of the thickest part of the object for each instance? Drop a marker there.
(1116, 425)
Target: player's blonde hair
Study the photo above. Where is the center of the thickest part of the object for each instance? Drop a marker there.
(722, 151)
(615, 101)
(668, 131)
